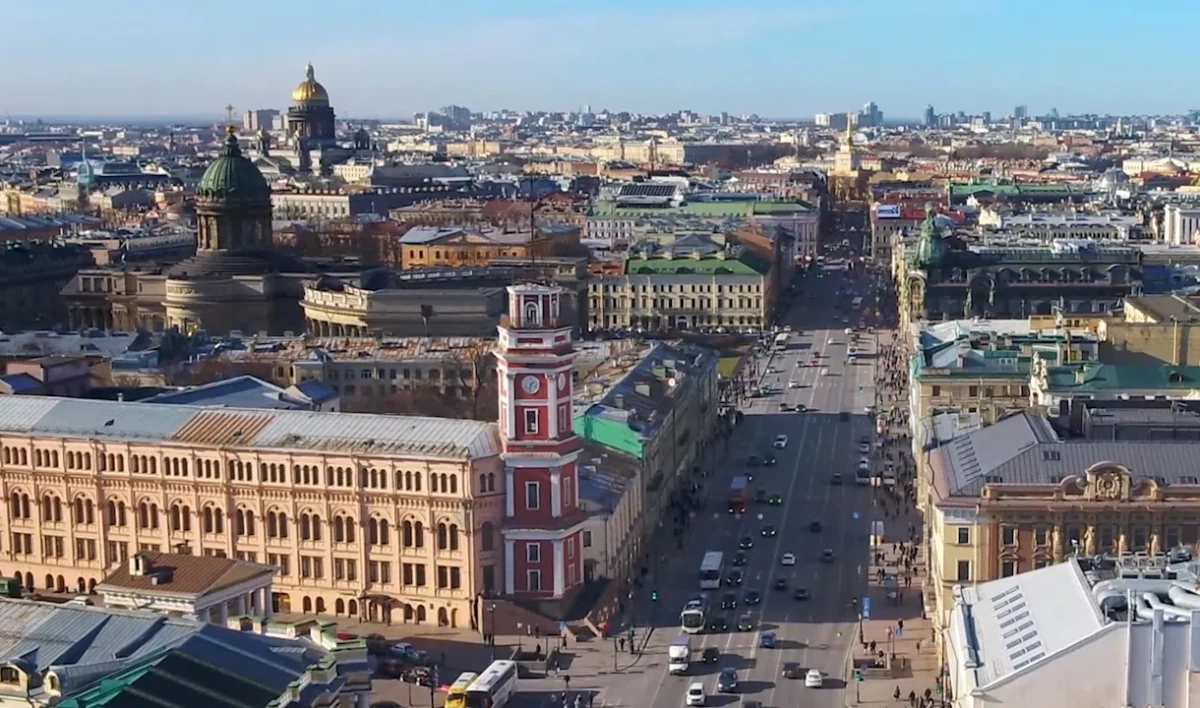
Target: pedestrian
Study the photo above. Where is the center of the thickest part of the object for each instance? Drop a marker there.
(918, 645)
(896, 693)
(900, 624)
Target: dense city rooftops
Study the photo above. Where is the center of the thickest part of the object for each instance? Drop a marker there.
(716, 209)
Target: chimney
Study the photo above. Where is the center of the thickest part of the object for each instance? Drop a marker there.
(619, 401)
(643, 389)
(139, 564)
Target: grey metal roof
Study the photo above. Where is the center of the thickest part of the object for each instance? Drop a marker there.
(439, 438)
(1023, 449)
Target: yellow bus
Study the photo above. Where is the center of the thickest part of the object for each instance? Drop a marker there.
(456, 697)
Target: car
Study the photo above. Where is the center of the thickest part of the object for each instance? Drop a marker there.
(767, 640)
(711, 655)
(787, 559)
(815, 526)
(825, 372)
(734, 577)
(740, 559)
(768, 531)
(746, 542)
(775, 500)
(813, 679)
(745, 623)
(831, 342)
(727, 680)
(718, 624)
(781, 441)
(695, 694)
(864, 448)
(836, 479)
(794, 384)
(752, 597)
(785, 407)
(848, 329)
(772, 370)
(792, 670)
(768, 460)
(753, 461)
(864, 467)
(864, 460)
(781, 583)
(800, 594)
(760, 496)
(827, 555)
(729, 601)
(752, 704)
(800, 407)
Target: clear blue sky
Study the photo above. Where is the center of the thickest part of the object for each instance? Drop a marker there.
(389, 58)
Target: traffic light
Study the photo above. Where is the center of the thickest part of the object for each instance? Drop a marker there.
(653, 596)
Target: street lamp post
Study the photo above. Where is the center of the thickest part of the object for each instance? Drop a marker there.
(491, 612)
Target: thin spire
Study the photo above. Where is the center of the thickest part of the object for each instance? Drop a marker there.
(229, 114)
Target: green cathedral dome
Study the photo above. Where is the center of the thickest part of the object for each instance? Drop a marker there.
(232, 177)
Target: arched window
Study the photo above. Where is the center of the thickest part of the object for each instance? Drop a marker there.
(305, 527)
(384, 533)
(143, 515)
(176, 519)
(454, 484)
(417, 481)
(111, 508)
(408, 481)
(445, 485)
(454, 537)
(272, 525)
(482, 482)
(372, 532)
(532, 316)
(239, 522)
(486, 538)
(54, 458)
(442, 540)
(491, 481)
(283, 525)
(316, 527)
(207, 517)
(87, 460)
(339, 535)
(433, 482)
(219, 520)
(419, 535)
(77, 510)
(406, 534)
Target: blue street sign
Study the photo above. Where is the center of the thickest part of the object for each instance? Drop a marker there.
(900, 633)
(866, 605)
(856, 516)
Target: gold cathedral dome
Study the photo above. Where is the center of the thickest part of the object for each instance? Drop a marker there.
(310, 91)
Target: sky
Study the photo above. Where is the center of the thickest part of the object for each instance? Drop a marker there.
(777, 58)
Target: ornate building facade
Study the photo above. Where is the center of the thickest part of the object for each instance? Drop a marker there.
(543, 555)
(941, 279)
(310, 118)
(384, 518)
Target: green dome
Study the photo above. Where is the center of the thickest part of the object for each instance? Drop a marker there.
(232, 177)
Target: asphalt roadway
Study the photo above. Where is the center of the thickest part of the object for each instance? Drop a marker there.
(816, 633)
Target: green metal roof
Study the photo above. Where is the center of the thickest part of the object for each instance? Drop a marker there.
(612, 434)
(1013, 190)
(1110, 377)
(232, 177)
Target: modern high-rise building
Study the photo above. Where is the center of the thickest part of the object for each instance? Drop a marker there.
(261, 119)
(930, 117)
(870, 116)
(1021, 112)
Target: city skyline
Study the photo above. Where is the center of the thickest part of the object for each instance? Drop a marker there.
(768, 58)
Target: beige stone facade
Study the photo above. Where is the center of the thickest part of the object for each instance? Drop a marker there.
(361, 517)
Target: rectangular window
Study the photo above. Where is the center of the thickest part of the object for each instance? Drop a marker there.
(1008, 569)
(964, 535)
(570, 548)
(532, 494)
(1172, 537)
(973, 391)
(406, 573)
(587, 539)
(531, 420)
(534, 580)
(443, 577)
(1008, 535)
(420, 575)
(964, 571)
(568, 498)
(533, 553)
(1041, 537)
(564, 420)
(936, 392)
(455, 578)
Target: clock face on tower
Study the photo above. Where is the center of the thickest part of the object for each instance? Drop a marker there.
(562, 382)
(531, 384)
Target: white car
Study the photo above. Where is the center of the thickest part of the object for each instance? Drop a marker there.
(813, 679)
(831, 341)
(849, 331)
(864, 467)
(793, 384)
(781, 441)
(864, 449)
(787, 559)
(695, 694)
(824, 372)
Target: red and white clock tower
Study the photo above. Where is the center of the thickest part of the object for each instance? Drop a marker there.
(543, 520)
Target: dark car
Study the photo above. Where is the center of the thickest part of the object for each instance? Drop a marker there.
(760, 496)
(734, 577)
(767, 640)
(752, 597)
(745, 623)
(753, 461)
(727, 681)
(827, 555)
(781, 584)
(718, 624)
(768, 460)
(768, 531)
(792, 670)
(836, 479)
(800, 594)
(815, 526)
(711, 655)
(729, 601)
(739, 559)
(746, 542)
(775, 500)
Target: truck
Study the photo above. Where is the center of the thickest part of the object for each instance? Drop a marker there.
(739, 494)
(679, 654)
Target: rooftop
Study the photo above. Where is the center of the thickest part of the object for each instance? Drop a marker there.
(714, 209)
(43, 343)
(367, 434)
(1165, 308)
(236, 392)
(181, 574)
(1094, 377)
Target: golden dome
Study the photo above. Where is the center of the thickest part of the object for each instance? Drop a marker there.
(309, 91)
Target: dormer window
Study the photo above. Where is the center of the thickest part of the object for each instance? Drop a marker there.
(9, 675)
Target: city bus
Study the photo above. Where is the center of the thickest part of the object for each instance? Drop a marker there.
(739, 494)
(456, 697)
(694, 616)
(494, 686)
(856, 303)
(711, 569)
(781, 341)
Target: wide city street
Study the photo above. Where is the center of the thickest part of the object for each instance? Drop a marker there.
(818, 398)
